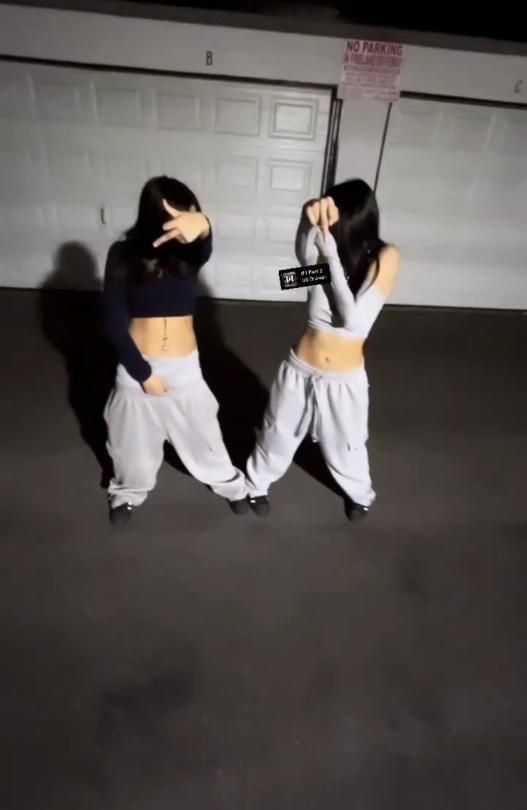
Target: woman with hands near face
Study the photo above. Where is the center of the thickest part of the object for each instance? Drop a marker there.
(160, 395)
(322, 387)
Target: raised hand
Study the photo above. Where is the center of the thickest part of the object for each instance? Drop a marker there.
(322, 212)
(185, 226)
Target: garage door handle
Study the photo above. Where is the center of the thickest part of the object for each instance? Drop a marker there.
(103, 215)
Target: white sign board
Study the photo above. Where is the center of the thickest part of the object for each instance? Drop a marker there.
(371, 70)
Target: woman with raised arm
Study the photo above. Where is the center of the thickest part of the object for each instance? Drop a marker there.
(322, 388)
(160, 394)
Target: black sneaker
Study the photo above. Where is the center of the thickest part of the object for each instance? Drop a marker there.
(260, 505)
(355, 511)
(240, 507)
(120, 515)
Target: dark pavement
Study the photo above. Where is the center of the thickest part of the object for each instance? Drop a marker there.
(203, 661)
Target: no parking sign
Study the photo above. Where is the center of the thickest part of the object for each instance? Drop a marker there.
(371, 70)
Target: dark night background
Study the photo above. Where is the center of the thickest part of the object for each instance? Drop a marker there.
(439, 18)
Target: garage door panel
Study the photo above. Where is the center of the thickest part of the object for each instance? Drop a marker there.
(422, 124)
(79, 144)
(414, 290)
(79, 220)
(290, 119)
(236, 174)
(511, 207)
(500, 248)
(126, 171)
(411, 165)
(238, 114)
(19, 164)
(118, 107)
(464, 130)
(119, 100)
(452, 191)
(456, 240)
(289, 177)
(40, 167)
(21, 218)
(67, 166)
(232, 272)
(413, 127)
(235, 227)
(509, 136)
(281, 229)
(120, 215)
(15, 97)
(185, 167)
(8, 269)
(180, 111)
(60, 102)
(497, 168)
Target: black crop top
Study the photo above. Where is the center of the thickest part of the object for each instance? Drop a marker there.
(163, 297)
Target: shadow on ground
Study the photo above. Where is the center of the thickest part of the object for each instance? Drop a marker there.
(72, 322)
(238, 389)
(242, 395)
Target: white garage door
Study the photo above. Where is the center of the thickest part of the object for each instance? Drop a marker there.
(76, 146)
(453, 195)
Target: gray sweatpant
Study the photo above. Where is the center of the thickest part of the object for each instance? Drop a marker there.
(187, 417)
(333, 407)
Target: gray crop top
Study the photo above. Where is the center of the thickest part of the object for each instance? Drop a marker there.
(333, 307)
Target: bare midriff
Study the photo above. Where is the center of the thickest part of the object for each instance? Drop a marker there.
(175, 337)
(330, 352)
(164, 337)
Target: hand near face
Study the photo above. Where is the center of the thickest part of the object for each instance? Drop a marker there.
(184, 226)
(322, 213)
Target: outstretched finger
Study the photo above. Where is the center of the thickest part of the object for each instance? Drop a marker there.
(171, 225)
(167, 237)
(324, 224)
(313, 212)
(173, 211)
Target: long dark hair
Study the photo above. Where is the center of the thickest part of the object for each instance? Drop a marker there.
(357, 230)
(142, 258)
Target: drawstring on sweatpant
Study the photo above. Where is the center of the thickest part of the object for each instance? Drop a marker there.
(311, 410)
